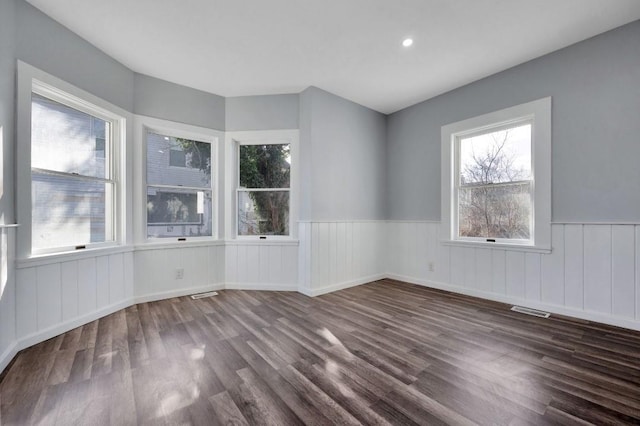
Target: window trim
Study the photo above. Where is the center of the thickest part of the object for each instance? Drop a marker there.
(537, 112)
(260, 137)
(143, 126)
(32, 80)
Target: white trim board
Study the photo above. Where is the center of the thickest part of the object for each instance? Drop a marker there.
(554, 309)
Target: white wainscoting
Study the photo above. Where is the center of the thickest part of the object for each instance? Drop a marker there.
(337, 255)
(54, 297)
(593, 271)
(261, 265)
(7, 297)
(203, 269)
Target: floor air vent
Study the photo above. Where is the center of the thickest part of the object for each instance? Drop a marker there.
(203, 295)
(529, 311)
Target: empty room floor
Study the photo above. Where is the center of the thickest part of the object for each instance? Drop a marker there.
(381, 353)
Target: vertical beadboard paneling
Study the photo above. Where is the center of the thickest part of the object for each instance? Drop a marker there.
(457, 266)
(200, 267)
(484, 269)
(393, 249)
(289, 265)
(314, 254)
(87, 286)
(359, 252)
(573, 266)
(242, 274)
(304, 257)
(70, 291)
(351, 253)
(552, 285)
(274, 261)
(49, 295)
(129, 275)
(220, 254)
(231, 264)
(623, 270)
(102, 281)
(252, 264)
(532, 274)
(341, 252)
(263, 255)
(333, 253)
(116, 278)
(499, 271)
(424, 251)
(469, 262)
(597, 268)
(323, 254)
(431, 234)
(515, 274)
(443, 266)
(26, 302)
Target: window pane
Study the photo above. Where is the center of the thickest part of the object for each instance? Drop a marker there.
(192, 158)
(178, 213)
(497, 156)
(69, 211)
(177, 158)
(66, 140)
(263, 212)
(265, 166)
(500, 211)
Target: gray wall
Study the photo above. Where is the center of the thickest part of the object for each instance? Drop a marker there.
(268, 112)
(595, 87)
(7, 237)
(45, 44)
(161, 99)
(342, 159)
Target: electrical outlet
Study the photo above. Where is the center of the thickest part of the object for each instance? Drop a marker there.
(179, 273)
(432, 267)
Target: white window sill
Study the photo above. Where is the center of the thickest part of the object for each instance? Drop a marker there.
(500, 246)
(263, 242)
(49, 258)
(173, 243)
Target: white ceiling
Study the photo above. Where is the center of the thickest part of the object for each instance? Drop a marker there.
(348, 47)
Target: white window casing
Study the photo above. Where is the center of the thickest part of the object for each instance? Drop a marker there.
(34, 81)
(143, 127)
(538, 114)
(232, 178)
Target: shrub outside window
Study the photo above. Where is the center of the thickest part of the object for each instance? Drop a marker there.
(496, 178)
(263, 193)
(495, 184)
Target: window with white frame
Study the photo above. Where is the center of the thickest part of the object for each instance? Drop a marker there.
(496, 177)
(74, 179)
(179, 186)
(264, 189)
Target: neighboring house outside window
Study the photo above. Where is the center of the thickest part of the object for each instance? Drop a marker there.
(179, 191)
(73, 184)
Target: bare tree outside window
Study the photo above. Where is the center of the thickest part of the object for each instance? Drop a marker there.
(495, 186)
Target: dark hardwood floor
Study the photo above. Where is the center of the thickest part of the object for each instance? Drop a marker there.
(382, 353)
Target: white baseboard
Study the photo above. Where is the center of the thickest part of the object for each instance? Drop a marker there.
(261, 286)
(341, 286)
(55, 330)
(177, 293)
(8, 355)
(554, 309)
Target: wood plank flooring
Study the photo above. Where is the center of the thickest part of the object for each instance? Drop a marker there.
(382, 353)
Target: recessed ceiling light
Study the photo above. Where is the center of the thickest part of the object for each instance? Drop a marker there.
(407, 42)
